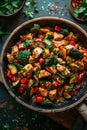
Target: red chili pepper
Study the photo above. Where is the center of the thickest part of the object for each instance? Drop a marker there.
(41, 60)
(57, 28)
(80, 77)
(55, 83)
(14, 78)
(73, 43)
(20, 46)
(9, 75)
(24, 80)
(39, 99)
(21, 89)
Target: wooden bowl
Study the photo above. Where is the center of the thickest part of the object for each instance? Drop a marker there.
(15, 13)
(71, 8)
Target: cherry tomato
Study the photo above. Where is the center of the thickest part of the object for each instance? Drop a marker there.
(9, 75)
(57, 28)
(24, 80)
(39, 99)
(41, 60)
(55, 83)
(20, 46)
(73, 43)
(21, 89)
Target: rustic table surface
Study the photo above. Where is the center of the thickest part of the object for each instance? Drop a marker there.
(13, 116)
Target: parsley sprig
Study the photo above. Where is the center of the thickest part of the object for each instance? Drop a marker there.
(30, 9)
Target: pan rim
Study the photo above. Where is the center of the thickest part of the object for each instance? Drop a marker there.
(7, 87)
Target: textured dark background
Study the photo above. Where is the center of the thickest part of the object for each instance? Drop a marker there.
(13, 115)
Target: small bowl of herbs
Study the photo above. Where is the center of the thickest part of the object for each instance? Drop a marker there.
(10, 8)
(78, 9)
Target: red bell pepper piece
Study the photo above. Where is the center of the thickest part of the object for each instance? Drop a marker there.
(9, 75)
(20, 46)
(14, 78)
(21, 89)
(55, 83)
(35, 90)
(73, 43)
(57, 28)
(80, 77)
(39, 99)
(24, 80)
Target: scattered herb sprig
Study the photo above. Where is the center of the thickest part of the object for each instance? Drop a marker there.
(82, 10)
(28, 11)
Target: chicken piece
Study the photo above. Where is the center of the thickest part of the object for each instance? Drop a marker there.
(44, 73)
(37, 64)
(37, 52)
(46, 53)
(78, 65)
(28, 36)
(10, 58)
(74, 67)
(30, 83)
(66, 72)
(57, 36)
(14, 50)
(52, 94)
(59, 43)
(60, 67)
(72, 37)
(60, 91)
(31, 59)
(56, 50)
(44, 30)
(36, 78)
(27, 70)
(48, 34)
(51, 70)
(69, 48)
(84, 60)
(43, 92)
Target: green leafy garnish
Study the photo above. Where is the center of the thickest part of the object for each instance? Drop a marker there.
(64, 31)
(9, 6)
(27, 43)
(81, 11)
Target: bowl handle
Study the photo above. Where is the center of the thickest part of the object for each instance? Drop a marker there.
(82, 108)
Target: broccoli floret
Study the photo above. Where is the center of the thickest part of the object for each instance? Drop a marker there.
(75, 54)
(51, 60)
(23, 56)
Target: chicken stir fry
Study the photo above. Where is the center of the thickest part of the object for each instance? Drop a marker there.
(47, 65)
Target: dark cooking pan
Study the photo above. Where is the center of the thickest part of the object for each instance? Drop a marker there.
(82, 94)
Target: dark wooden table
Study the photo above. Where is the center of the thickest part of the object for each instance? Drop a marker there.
(46, 8)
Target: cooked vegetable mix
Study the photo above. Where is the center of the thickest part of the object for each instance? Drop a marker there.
(47, 65)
